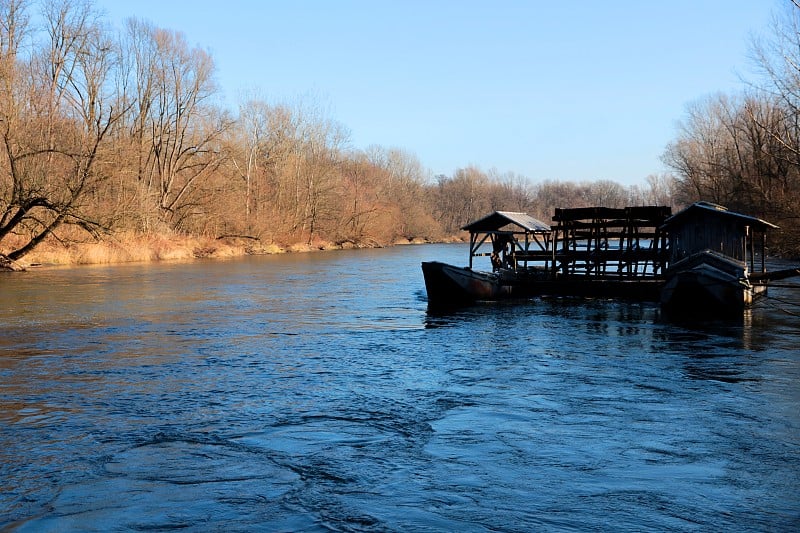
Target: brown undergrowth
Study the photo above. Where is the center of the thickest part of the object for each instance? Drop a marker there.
(137, 247)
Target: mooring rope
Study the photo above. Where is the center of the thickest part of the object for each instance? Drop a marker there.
(785, 302)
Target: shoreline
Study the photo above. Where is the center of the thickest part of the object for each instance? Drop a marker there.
(158, 248)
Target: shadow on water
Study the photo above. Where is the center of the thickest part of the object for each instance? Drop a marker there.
(442, 316)
(551, 308)
(718, 349)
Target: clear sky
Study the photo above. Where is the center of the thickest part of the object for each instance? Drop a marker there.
(567, 90)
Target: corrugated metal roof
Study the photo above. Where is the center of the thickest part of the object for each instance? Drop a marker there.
(721, 211)
(500, 219)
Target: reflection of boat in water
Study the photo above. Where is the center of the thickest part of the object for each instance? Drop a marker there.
(713, 261)
(702, 258)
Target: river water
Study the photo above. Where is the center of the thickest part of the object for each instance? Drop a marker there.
(315, 392)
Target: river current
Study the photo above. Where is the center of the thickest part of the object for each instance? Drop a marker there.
(316, 392)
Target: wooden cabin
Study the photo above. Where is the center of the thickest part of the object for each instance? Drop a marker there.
(707, 226)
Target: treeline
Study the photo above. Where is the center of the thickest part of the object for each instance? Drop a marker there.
(122, 131)
(470, 193)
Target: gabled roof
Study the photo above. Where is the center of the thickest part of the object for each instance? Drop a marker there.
(717, 210)
(500, 219)
(644, 213)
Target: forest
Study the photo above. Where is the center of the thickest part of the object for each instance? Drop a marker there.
(119, 136)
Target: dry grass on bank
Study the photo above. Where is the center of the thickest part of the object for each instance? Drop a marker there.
(136, 247)
(128, 248)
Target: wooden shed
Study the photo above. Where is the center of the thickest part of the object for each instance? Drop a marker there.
(707, 226)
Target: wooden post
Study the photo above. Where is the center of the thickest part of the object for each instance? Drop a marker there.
(472, 238)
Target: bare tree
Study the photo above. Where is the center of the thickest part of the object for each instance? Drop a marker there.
(699, 153)
(462, 198)
(403, 192)
(606, 193)
(56, 111)
(176, 125)
(658, 189)
(365, 215)
(777, 113)
(247, 148)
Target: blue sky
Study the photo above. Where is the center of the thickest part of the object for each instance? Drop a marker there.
(572, 90)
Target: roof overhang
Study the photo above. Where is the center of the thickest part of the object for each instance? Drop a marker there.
(497, 221)
(720, 211)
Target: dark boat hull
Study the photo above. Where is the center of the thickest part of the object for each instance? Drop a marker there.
(448, 285)
(451, 285)
(709, 282)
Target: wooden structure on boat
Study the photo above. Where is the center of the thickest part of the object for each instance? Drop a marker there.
(588, 252)
(515, 238)
(701, 258)
(588, 242)
(607, 243)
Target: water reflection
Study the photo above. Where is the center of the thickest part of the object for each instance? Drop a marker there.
(310, 393)
(711, 349)
(606, 315)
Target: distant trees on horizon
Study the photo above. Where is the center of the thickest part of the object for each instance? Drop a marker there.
(114, 132)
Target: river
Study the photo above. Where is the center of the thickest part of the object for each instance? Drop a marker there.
(315, 392)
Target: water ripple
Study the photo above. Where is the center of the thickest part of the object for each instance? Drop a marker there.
(316, 393)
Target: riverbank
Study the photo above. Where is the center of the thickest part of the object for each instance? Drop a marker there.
(134, 248)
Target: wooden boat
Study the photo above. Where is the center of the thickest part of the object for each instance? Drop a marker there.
(713, 261)
(589, 252)
(448, 284)
(709, 282)
(452, 285)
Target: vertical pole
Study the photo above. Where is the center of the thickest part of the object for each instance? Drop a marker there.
(554, 244)
(472, 238)
(748, 239)
(525, 252)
